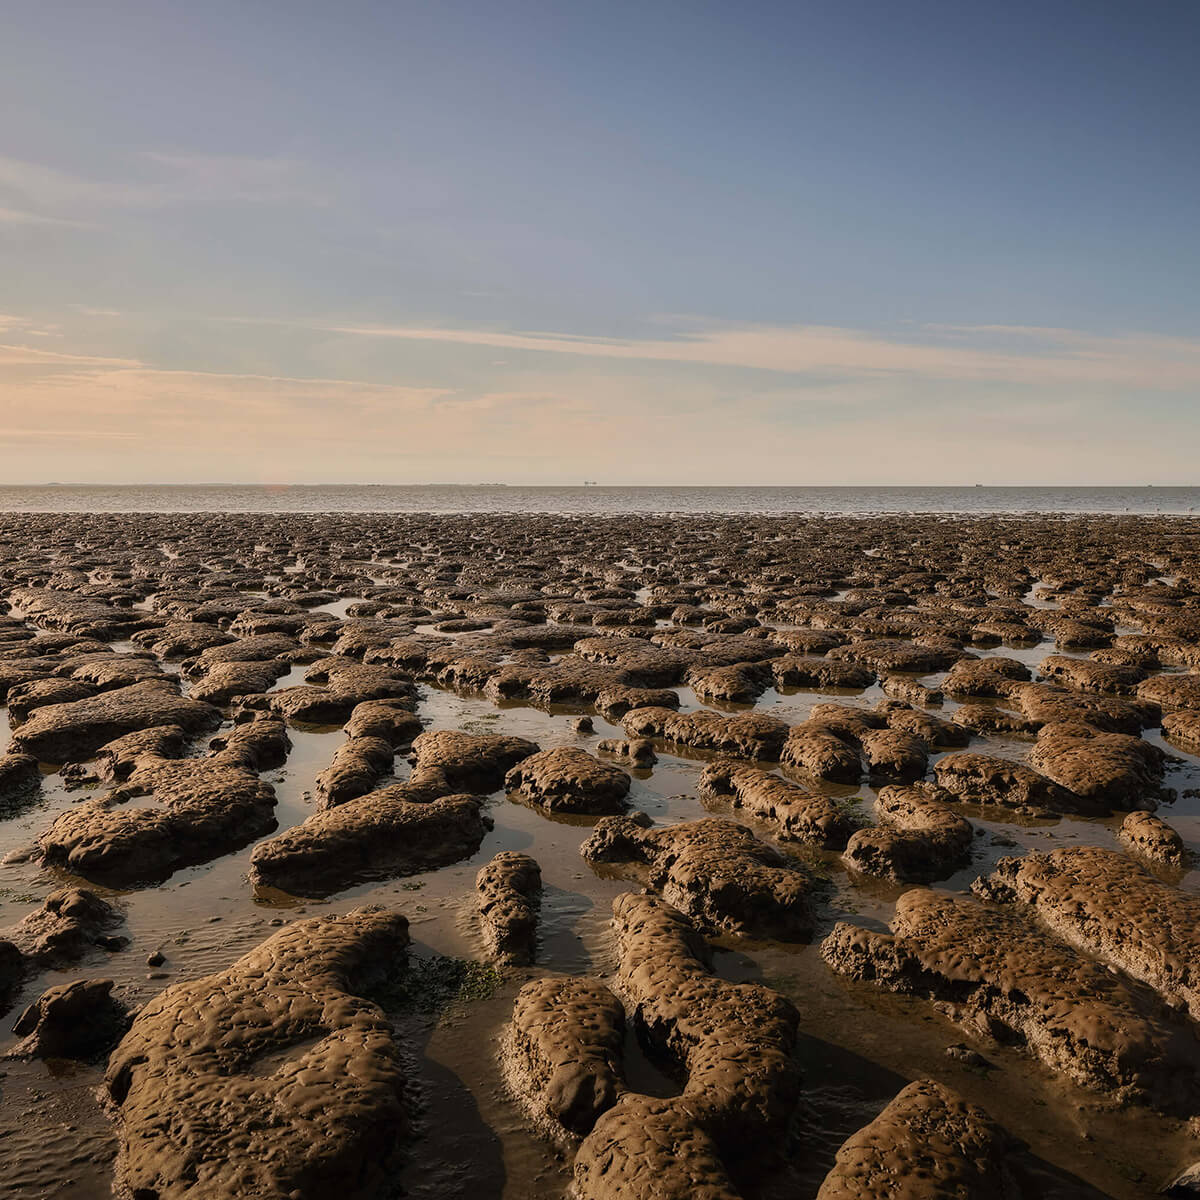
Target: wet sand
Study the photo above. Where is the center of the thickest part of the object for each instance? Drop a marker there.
(1077, 587)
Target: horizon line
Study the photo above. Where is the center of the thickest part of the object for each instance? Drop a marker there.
(590, 486)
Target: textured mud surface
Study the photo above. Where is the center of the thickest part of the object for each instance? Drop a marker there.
(452, 857)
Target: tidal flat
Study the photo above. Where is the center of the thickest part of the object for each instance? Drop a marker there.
(531, 855)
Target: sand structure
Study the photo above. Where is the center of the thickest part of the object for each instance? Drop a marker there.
(621, 858)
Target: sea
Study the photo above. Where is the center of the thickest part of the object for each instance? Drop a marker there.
(596, 500)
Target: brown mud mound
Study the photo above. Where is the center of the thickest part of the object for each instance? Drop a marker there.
(381, 835)
(920, 838)
(509, 889)
(936, 733)
(927, 1143)
(1183, 729)
(747, 735)
(77, 730)
(358, 765)
(638, 752)
(70, 923)
(1109, 905)
(201, 807)
(1089, 675)
(795, 814)
(804, 672)
(116, 759)
(80, 1020)
(563, 1051)
(392, 720)
(1153, 838)
(469, 762)
(1108, 770)
(995, 973)
(272, 1078)
(1047, 704)
(822, 752)
(648, 1149)
(715, 872)
(20, 779)
(733, 1042)
(568, 779)
(984, 779)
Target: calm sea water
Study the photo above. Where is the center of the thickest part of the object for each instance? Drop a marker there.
(860, 501)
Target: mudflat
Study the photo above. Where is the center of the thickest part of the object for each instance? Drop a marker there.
(622, 857)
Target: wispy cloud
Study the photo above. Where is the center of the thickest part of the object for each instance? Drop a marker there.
(13, 216)
(1043, 356)
(35, 356)
(33, 193)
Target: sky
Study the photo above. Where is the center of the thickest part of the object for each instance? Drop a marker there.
(542, 242)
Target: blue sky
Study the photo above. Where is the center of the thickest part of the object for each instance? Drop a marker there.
(657, 242)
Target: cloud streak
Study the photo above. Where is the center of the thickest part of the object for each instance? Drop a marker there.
(1042, 357)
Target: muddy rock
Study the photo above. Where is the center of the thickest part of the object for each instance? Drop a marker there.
(933, 731)
(1110, 906)
(1170, 692)
(20, 779)
(263, 648)
(793, 813)
(181, 639)
(715, 872)
(988, 719)
(1183, 729)
(1089, 675)
(928, 1142)
(748, 735)
(902, 687)
(116, 759)
(639, 752)
(920, 838)
(805, 672)
(37, 693)
(509, 889)
(1107, 770)
(80, 1020)
(984, 677)
(77, 730)
(886, 655)
(70, 923)
(615, 702)
(1048, 704)
(732, 1042)
(645, 1147)
(1154, 839)
(894, 754)
(469, 761)
(568, 779)
(983, 779)
(392, 720)
(740, 683)
(995, 973)
(257, 745)
(358, 765)
(225, 680)
(562, 1053)
(284, 1032)
(819, 751)
(381, 835)
(197, 808)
